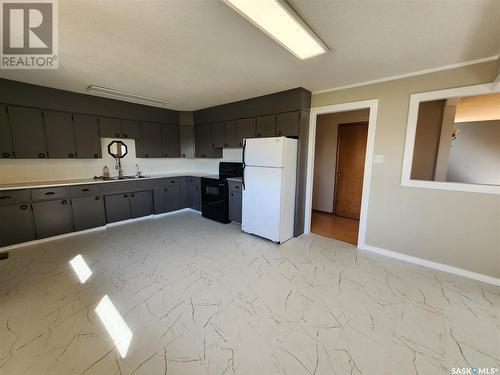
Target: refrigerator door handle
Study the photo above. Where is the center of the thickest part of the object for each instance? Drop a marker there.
(243, 168)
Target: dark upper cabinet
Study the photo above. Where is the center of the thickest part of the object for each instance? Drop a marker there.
(266, 126)
(231, 139)
(6, 148)
(131, 129)
(171, 141)
(60, 134)
(202, 140)
(117, 207)
(246, 129)
(52, 218)
(141, 204)
(28, 132)
(87, 138)
(88, 212)
(287, 124)
(151, 140)
(218, 140)
(110, 127)
(20, 227)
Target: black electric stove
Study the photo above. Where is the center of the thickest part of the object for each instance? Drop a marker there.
(214, 192)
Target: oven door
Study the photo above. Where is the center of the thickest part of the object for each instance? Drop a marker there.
(214, 199)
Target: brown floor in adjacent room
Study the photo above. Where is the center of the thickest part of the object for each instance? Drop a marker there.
(340, 228)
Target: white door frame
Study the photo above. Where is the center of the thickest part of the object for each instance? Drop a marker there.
(372, 105)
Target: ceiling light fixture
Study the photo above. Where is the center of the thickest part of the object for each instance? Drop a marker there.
(277, 19)
(126, 96)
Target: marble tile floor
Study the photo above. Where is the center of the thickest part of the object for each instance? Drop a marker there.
(204, 298)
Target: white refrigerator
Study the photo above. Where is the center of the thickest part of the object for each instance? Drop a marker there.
(269, 179)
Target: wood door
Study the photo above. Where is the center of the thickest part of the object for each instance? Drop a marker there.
(351, 149)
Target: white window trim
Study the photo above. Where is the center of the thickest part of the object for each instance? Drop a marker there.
(411, 129)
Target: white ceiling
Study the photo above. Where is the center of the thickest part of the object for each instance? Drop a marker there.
(202, 53)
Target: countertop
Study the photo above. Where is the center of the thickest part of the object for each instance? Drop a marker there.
(41, 184)
(236, 179)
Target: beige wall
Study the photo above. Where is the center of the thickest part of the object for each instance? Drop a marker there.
(325, 155)
(451, 227)
(35, 170)
(429, 121)
(475, 154)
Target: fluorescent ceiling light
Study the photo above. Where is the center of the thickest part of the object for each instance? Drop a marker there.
(115, 325)
(81, 268)
(277, 19)
(127, 96)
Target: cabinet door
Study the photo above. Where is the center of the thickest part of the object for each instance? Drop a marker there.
(6, 148)
(88, 212)
(52, 218)
(218, 135)
(131, 129)
(110, 127)
(203, 144)
(246, 129)
(151, 140)
(87, 137)
(117, 207)
(235, 206)
(171, 141)
(172, 198)
(141, 204)
(266, 126)
(193, 196)
(186, 136)
(28, 132)
(60, 134)
(231, 139)
(287, 124)
(20, 226)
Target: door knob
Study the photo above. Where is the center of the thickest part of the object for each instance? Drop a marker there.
(339, 174)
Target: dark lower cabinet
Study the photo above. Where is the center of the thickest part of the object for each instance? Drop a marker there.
(141, 204)
(87, 137)
(88, 212)
(172, 195)
(235, 201)
(117, 207)
(193, 194)
(20, 227)
(52, 218)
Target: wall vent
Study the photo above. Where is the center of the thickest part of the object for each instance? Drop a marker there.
(4, 255)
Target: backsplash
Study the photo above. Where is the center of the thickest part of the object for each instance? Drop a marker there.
(35, 170)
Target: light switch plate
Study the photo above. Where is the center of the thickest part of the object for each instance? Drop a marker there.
(378, 159)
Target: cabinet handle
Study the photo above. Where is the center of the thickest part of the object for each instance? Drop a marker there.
(183, 155)
(125, 195)
(96, 156)
(172, 182)
(49, 193)
(41, 155)
(117, 135)
(231, 194)
(132, 195)
(5, 197)
(71, 156)
(86, 189)
(227, 145)
(64, 202)
(6, 155)
(145, 155)
(236, 187)
(125, 136)
(279, 132)
(165, 190)
(97, 198)
(24, 207)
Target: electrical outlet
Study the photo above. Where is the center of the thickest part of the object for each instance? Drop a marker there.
(378, 159)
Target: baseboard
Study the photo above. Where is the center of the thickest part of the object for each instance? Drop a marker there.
(86, 231)
(430, 264)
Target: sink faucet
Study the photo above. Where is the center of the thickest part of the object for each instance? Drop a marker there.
(138, 173)
(119, 167)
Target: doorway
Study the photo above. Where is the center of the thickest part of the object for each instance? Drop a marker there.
(339, 177)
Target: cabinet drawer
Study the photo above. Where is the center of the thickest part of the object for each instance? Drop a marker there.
(49, 193)
(8, 197)
(84, 190)
(194, 180)
(234, 187)
(173, 180)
